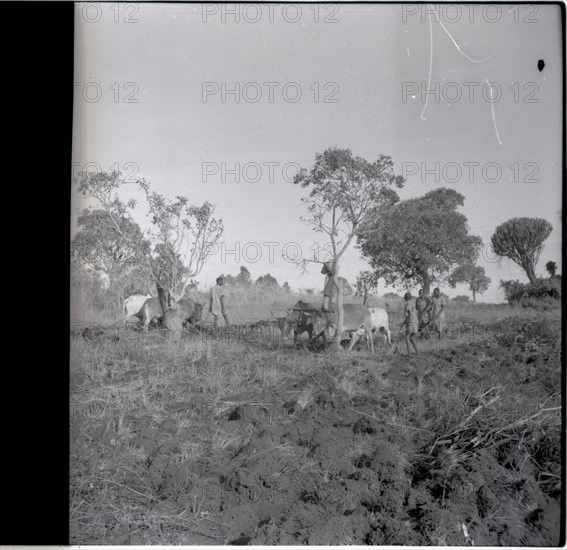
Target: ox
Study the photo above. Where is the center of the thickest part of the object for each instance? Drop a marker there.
(191, 311)
(133, 306)
(267, 324)
(300, 317)
(356, 320)
(379, 318)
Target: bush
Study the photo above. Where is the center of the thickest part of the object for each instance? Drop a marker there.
(545, 288)
(527, 334)
(516, 292)
(461, 298)
(541, 304)
(513, 290)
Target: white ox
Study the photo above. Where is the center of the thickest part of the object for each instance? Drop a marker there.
(379, 318)
(189, 310)
(356, 320)
(133, 305)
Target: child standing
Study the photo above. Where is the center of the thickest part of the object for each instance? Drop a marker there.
(411, 320)
(438, 313)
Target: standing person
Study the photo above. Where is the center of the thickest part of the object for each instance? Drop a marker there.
(438, 313)
(410, 318)
(328, 270)
(216, 302)
(423, 305)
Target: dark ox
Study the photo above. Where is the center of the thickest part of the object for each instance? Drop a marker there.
(190, 311)
(300, 318)
(267, 324)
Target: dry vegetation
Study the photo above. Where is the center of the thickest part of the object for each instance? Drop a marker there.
(250, 440)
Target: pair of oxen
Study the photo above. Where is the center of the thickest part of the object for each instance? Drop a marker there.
(148, 309)
(358, 321)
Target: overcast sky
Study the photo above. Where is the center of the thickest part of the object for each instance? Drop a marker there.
(141, 73)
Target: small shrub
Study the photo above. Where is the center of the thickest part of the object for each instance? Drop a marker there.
(513, 290)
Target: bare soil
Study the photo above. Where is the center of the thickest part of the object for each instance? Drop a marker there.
(297, 447)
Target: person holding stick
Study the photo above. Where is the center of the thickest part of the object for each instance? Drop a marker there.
(411, 321)
(423, 305)
(437, 320)
(216, 302)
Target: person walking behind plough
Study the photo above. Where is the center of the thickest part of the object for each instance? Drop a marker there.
(411, 321)
(216, 302)
(437, 320)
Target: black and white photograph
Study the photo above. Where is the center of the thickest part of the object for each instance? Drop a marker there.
(316, 274)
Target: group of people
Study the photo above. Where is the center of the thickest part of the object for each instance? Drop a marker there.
(424, 313)
(216, 294)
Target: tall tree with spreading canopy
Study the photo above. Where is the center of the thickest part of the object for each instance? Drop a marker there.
(473, 275)
(109, 241)
(521, 240)
(418, 241)
(343, 191)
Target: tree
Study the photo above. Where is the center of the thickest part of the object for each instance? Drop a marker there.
(473, 275)
(244, 278)
(136, 281)
(267, 282)
(366, 284)
(551, 268)
(229, 280)
(347, 288)
(343, 190)
(418, 241)
(182, 235)
(193, 285)
(109, 241)
(521, 240)
(173, 251)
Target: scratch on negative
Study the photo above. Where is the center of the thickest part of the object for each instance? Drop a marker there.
(492, 109)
